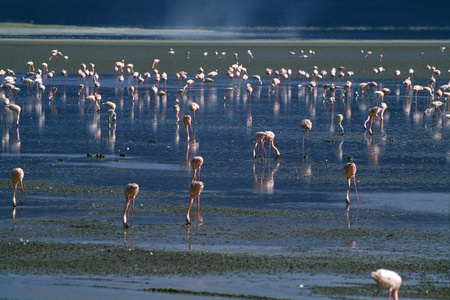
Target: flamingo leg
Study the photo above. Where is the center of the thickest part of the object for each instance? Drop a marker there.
(348, 191)
(198, 208)
(365, 127)
(14, 194)
(132, 213)
(376, 294)
(188, 219)
(125, 223)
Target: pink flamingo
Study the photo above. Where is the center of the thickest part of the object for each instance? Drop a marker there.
(258, 137)
(193, 107)
(350, 171)
(195, 188)
(270, 136)
(196, 164)
(17, 176)
(372, 113)
(130, 191)
(187, 123)
(387, 280)
(16, 110)
(306, 125)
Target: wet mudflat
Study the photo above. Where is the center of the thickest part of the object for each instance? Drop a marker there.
(271, 228)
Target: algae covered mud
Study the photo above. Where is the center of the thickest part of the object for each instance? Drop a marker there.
(271, 228)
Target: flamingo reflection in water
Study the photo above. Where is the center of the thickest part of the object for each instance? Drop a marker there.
(130, 191)
(195, 189)
(264, 184)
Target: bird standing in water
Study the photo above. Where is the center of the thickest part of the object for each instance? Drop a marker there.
(130, 191)
(270, 136)
(195, 188)
(306, 125)
(339, 119)
(387, 280)
(258, 137)
(16, 176)
(350, 171)
(196, 164)
(372, 113)
(187, 123)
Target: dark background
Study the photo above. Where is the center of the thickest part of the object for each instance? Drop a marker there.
(232, 13)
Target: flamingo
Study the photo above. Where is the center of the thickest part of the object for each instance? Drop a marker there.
(193, 107)
(258, 137)
(306, 125)
(195, 188)
(17, 176)
(16, 110)
(249, 90)
(270, 136)
(388, 280)
(109, 105)
(339, 119)
(130, 191)
(196, 164)
(372, 113)
(187, 123)
(176, 110)
(350, 171)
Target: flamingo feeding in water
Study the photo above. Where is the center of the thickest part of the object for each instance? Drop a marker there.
(306, 125)
(16, 110)
(270, 136)
(17, 176)
(195, 188)
(130, 191)
(387, 280)
(372, 113)
(350, 171)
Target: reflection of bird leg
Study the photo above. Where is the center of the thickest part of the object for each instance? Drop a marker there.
(356, 191)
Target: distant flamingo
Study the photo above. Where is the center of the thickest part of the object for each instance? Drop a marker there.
(16, 110)
(193, 107)
(387, 280)
(372, 113)
(195, 188)
(130, 191)
(176, 110)
(306, 125)
(187, 123)
(196, 164)
(270, 136)
(350, 171)
(339, 119)
(258, 137)
(109, 105)
(17, 176)
(249, 90)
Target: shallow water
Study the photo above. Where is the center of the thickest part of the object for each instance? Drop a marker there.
(402, 176)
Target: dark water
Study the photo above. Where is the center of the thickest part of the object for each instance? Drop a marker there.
(402, 168)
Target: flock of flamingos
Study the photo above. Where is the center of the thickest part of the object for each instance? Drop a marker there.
(386, 279)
